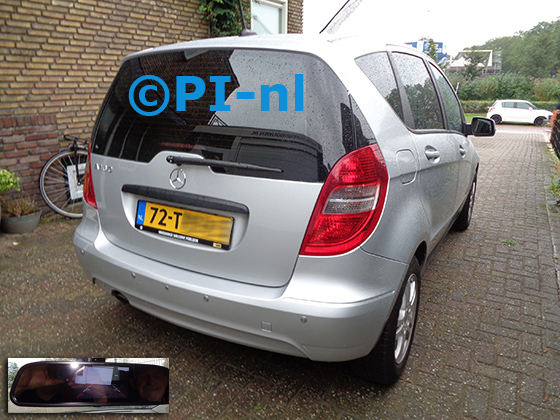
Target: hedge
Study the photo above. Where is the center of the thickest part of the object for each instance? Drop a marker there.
(507, 86)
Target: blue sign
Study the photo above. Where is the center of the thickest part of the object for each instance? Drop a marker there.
(423, 46)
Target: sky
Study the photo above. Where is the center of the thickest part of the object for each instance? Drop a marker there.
(458, 25)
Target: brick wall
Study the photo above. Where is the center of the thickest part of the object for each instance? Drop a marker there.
(295, 16)
(24, 141)
(57, 61)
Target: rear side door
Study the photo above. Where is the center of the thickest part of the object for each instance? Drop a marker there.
(438, 151)
(454, 121)
(509, 112)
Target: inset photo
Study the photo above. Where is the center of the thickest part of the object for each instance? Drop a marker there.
(91, 385)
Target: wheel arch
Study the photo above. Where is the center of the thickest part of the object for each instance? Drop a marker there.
(539, 120)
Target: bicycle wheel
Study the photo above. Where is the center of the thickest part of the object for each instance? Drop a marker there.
(61, 182)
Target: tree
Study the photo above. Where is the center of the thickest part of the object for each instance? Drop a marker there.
(534, 53)
(223, 16)
(12, 372)
(431, 49)
(472, 59)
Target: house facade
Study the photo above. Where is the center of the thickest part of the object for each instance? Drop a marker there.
(58, 59)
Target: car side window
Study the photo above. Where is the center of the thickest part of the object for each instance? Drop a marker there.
(508, 105)
(420, 92)
(450, 101)
(378, 69)
(523, 105)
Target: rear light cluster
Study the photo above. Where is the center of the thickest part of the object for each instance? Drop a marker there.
(349, 205)
(89, 193)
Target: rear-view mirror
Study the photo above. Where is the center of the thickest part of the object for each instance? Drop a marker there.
(482, 127)
(78, 384)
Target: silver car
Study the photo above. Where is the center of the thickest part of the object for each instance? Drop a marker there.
(281, 192)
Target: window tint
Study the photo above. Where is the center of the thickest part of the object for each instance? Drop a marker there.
(452, 106)
(303, 144)
(378, 69)
(420, 92)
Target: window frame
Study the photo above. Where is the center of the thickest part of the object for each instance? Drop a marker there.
(432, 68)
(279, 4)
(407, 108)
(408, 118)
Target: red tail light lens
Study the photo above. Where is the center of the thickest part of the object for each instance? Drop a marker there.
(89, 193)
(349, 205)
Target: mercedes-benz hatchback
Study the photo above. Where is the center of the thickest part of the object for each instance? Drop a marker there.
(280, 192)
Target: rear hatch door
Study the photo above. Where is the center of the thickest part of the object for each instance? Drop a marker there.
(224, 184)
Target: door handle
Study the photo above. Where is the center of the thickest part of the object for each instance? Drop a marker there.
(432, 154)
(462, 151)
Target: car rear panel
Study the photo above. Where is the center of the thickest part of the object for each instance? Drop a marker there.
(157, 198)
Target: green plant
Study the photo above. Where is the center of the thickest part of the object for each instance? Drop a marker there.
(8, 181)
(223, 16)
(510, 243)
(18, 207)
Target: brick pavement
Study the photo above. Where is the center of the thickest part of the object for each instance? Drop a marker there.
(487, 343)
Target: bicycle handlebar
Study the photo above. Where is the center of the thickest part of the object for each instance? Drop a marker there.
(75, 139)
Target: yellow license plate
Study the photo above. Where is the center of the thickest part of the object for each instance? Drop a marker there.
(187, 225)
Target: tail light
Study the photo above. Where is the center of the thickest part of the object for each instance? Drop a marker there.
(89, 193)
(491, 109)
(349, 205)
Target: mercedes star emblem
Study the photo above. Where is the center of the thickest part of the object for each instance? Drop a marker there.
(177, 178)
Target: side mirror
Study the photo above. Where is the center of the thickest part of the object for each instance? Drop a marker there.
(481, 127)
(90, 384)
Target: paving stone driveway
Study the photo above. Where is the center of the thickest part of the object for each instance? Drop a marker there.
(487, 343)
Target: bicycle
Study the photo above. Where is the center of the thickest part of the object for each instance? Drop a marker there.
(62, 179)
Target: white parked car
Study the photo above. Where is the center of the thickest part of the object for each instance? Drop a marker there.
(513, 110)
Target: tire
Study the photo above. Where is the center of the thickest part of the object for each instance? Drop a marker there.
(540, 121)
(465, 217)
(387, 361)
(497, 119)
(61, 185)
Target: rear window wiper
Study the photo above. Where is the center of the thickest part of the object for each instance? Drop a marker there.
(179, 160)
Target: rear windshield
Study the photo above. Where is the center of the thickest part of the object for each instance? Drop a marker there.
(310, 123)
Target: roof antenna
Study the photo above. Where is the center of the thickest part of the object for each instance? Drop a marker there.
(244, 31)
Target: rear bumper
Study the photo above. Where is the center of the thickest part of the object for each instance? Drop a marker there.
(290, 320)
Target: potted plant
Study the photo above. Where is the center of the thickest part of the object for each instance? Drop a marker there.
(21, 215)
(8, 181)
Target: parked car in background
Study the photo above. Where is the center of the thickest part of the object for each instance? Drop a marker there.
(291, 205)
(518, 111)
